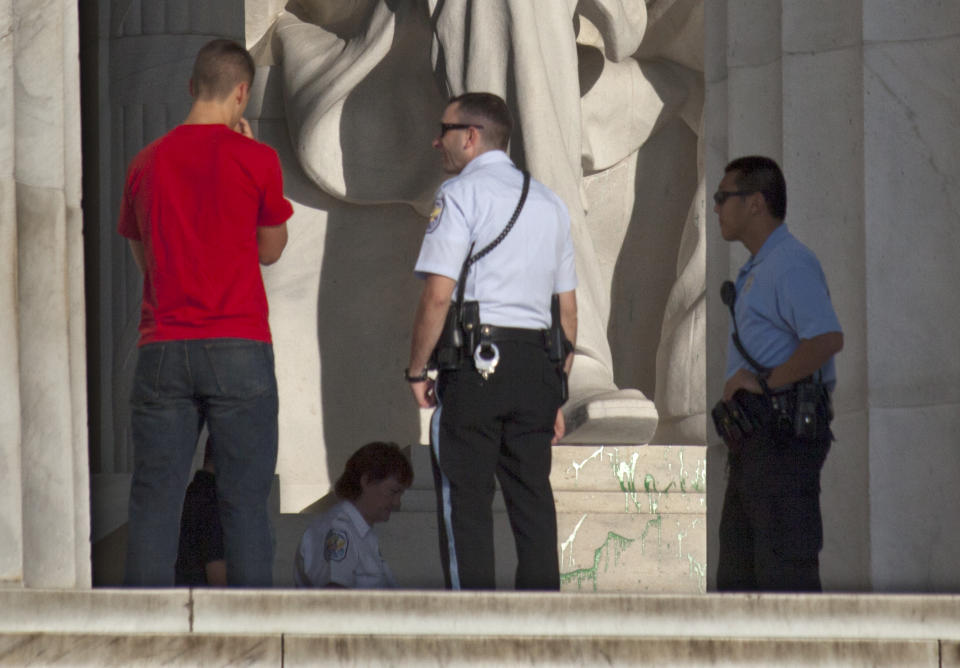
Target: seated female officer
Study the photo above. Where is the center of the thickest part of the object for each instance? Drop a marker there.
(340, 549)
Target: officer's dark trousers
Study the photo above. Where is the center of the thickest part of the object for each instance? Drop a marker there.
(771, 530)
(500, 427)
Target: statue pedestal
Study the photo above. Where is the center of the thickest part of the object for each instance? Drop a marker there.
(631, 518)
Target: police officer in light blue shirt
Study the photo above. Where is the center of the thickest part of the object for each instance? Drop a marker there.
(771, 530)
(515, 283)
(493, 421)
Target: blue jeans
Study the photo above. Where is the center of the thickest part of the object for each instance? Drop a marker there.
(178, 385)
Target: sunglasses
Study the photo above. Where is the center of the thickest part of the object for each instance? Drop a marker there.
(444, 127)
(722, 196)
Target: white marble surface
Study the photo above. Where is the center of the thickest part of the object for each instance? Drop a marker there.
(436, 614)
(422, 614)
(631, 518)
(912, 205)
(752, 30)
(673, 652)
(95, 611)
(910, 20)
(11, 526)
(41, 649)
(845, 507)
(820, 26)
(257, 627)
(43, 425)
(912, 154)
(913, 548)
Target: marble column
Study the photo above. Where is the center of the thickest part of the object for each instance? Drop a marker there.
(911, 205)
(856, 101)
(45, 525)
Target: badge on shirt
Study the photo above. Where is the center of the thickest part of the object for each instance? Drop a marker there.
(335, 545)
(435, 215)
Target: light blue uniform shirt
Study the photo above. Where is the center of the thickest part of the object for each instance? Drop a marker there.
(340, 548)
(514, 282)
(782, 297)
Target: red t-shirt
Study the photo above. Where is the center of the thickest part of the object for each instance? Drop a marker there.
(195, 198)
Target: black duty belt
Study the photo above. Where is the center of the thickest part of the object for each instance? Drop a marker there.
(493, 333)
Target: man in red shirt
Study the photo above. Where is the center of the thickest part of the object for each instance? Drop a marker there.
(201, 207)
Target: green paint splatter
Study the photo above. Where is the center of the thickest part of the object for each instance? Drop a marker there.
(625, 472)
(614, 543)
(653, 495)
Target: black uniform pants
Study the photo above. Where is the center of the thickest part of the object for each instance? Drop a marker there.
(771, 530)
(497, 428)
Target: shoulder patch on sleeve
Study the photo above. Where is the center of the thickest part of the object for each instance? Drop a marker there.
(335, 545)
(435, 215)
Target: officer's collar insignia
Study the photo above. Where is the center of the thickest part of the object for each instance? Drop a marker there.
(335, 545)
(435, 215)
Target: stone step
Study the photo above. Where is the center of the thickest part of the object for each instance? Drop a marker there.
(290, 651)
(348, 628)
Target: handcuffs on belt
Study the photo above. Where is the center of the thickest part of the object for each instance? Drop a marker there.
(486, 356)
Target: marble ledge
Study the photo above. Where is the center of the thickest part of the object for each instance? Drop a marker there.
(421, 614)
(363, 650)
(95, 611)
(113, 649)
(509, 614)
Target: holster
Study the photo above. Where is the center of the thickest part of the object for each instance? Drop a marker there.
(802, 411)
(446, 354)
(559, 346)
(740, 418)
(458, 336)
(470, 326)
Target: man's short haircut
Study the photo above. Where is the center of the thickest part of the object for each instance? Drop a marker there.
(220, 66)
(378, 461)
(490, 111)
(757, 173)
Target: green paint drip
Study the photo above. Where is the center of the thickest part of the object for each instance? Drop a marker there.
(700, 476)
(699, 571)
(625, 473)
(618, 544)
(653, 495)
(656, 521)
